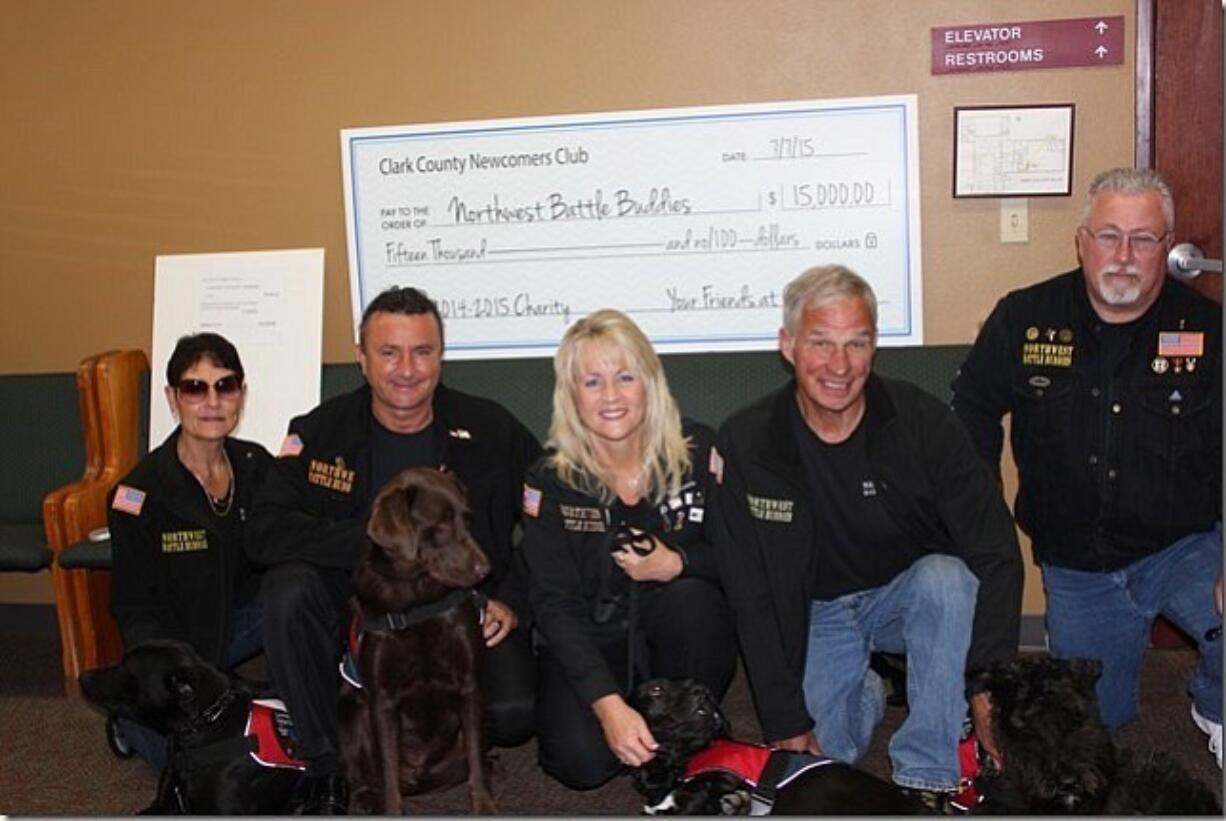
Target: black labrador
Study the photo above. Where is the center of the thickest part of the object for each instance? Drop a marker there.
(217, 762)
(698, 770)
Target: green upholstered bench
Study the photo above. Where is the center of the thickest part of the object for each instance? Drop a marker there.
(86, 556)
(23, 547)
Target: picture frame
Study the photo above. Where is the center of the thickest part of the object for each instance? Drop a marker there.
(1013, 151)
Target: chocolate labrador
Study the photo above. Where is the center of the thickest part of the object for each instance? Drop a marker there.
(410, 718)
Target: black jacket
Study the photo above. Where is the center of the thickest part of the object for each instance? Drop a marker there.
(567, 538)
(315, 505)
(174, 574)
(933, 486)
(1114, 466)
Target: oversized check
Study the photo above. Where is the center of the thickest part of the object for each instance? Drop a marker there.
(690, 220)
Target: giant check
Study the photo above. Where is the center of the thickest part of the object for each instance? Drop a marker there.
(691, 220)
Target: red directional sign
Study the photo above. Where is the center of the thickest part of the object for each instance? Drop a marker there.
(1084, 41)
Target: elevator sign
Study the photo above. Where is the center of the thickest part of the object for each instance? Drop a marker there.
(1083, 41)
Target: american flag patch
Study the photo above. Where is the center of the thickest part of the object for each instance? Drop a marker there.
(532, 501)
(128, 500)
(1181, 343)
(291, 446)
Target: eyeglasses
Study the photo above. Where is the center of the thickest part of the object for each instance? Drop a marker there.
(195, 390)
(1143, 243)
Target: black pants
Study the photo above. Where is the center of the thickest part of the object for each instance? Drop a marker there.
(689, 633)
(305, 615)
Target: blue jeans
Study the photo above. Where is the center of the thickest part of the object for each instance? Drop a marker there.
(1107, 616)
(926, 613)
(245, 642)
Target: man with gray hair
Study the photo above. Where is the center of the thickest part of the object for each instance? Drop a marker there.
(1112, 376)
(853, 515)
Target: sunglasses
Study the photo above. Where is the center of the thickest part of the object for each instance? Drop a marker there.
(195, 390)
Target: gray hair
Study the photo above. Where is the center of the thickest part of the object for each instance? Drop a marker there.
(1132, 181)
(820, 285)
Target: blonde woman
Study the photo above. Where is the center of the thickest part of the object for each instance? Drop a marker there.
(623, 578)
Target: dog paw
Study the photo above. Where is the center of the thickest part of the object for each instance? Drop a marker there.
(734, 803)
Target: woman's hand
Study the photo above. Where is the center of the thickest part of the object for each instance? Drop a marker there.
(625, 731)
(662, 564)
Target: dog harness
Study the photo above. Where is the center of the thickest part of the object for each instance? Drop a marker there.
(400, 620)
(764, 769)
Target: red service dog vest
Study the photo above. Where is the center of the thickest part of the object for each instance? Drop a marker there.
(270, 725)
(748, 762)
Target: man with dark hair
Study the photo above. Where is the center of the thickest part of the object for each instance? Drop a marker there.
(1112, 376)
(309, 527)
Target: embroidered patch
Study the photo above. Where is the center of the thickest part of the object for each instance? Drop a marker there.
(331, 477)
(184, 541)
(582, 519)
(770, 510)
(532, 501)
(1047, 354)
(1181, 343)
(459, 433)
(290, 446)
(715, 466)
(128, 500)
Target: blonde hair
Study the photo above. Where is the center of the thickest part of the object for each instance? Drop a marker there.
(666, 451)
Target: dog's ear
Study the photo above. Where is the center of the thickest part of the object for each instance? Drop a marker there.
(109, 687)
(391, 523)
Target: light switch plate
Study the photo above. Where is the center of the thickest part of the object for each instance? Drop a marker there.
(1015, 220)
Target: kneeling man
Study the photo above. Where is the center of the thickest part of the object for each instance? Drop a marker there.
(854, 515)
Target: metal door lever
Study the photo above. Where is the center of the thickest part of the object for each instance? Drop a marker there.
(1186, 262)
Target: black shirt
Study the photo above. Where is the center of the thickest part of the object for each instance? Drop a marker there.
(392, 452)
(857, 546)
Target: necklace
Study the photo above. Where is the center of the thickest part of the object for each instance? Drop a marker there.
(220, 506)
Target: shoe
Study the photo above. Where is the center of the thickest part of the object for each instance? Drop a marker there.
(116, 740)
(936, 802)
(321, 795)
(1213, 729)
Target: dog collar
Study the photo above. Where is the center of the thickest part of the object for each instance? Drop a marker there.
(402, 619)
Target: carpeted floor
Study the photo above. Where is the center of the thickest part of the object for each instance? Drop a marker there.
(56, 761)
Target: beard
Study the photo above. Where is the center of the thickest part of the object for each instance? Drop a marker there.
(1119, 285)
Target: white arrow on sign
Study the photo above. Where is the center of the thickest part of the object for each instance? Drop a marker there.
(1101, 51)
(1101, 27)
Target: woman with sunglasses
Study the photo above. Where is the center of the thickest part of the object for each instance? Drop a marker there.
(177, 524)
(622, 575)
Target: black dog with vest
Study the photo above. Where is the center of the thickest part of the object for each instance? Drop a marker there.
(1059, 758)
(698, 770)
(230, 753)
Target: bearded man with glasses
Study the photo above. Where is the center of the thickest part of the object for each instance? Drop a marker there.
(1112, 376)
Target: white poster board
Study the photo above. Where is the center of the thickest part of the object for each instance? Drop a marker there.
(691, 220)
(270, 305)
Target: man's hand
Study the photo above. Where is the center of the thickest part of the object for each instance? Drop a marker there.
(662, 564)
(981, 719)
(804, 743)
(499, 621)
(625, 731)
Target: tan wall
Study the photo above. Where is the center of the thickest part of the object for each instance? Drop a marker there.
(143, 127)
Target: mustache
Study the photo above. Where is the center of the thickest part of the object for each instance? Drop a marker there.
(1125, 268)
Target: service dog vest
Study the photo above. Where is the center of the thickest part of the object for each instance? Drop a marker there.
(272, 731)
(764, 769)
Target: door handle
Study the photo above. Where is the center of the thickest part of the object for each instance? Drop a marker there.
(1185, 262)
